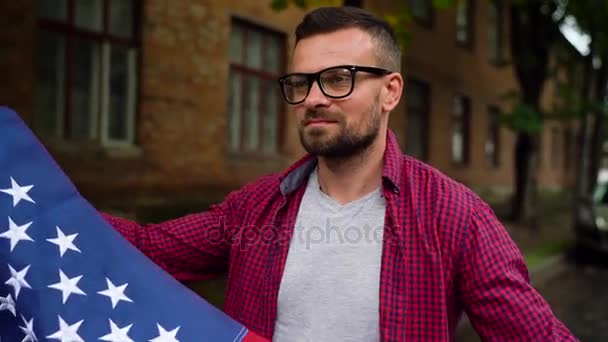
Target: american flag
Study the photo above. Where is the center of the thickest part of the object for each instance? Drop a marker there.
(66, 275)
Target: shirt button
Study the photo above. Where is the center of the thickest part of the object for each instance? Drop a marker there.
(395, 190)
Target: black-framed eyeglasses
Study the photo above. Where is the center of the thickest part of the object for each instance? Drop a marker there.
(335, 82)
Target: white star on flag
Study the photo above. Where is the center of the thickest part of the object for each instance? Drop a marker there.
(115, 294)
(16, 233)
(64, 242)
(67, 286)
(165, 336)
(17, 279)
(118, 334)
(7, 303)
(28, 330)
(67, 333)
(18, 192)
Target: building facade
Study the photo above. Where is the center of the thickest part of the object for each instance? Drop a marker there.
(155, 101)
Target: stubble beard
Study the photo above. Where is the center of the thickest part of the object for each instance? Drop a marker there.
(347, 143)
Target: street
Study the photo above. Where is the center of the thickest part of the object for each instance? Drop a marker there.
(579, 297)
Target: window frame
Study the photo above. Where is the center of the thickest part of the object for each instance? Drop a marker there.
(425, 111)
(493, 133)
(246, 71)
(470, 25)
(555, 147)
(70, 33)
(568, 148)
(427, 22)
(464, 120)
(496, 24)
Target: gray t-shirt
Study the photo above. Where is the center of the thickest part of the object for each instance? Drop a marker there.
(330, 287)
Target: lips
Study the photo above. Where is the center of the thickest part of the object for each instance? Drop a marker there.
(318, 122)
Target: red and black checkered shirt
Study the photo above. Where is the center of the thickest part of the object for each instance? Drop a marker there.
(444, 252)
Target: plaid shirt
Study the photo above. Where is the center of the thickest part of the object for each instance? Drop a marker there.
(444, 251)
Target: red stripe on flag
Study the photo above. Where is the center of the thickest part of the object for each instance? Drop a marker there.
(252, 337)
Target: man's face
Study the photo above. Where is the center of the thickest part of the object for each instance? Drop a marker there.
(338, 128)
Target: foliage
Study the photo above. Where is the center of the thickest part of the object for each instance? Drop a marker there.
(523, 118)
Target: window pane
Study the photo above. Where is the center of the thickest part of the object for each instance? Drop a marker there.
(85, 89)
(273, 54)
(236, 45)
(460, 130)
(271, 114)
(555, 147)
(121, 17)
(50, 71)
(122, 101)
(567, 148)
(457, 145)
(55, 9)
(421, 9)
(416, 96)
(417, 116)
(415, 134)
(252, 114)
(494, 32)
(254, 49)
(462, 21)
(234, 110)
(458, 106)
(89, 14)
(492, 145)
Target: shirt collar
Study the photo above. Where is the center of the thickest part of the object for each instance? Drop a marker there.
(392, 172)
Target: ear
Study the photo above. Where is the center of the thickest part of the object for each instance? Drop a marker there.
(391, 92)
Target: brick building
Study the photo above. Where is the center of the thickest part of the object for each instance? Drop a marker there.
(157, 101)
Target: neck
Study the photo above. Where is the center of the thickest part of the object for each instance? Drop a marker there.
(348, 179)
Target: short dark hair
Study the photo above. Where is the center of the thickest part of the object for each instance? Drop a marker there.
(331, 19)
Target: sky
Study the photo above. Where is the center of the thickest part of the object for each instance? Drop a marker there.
(571, 31)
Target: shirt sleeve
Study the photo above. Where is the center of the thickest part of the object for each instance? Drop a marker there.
(495, 286)
(192, 247)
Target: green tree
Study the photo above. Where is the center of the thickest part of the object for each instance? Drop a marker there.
(590, 93)
(533, 34)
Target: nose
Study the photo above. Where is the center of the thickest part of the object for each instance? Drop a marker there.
(315, 97)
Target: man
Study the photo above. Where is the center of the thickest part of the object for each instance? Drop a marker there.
(439, 250)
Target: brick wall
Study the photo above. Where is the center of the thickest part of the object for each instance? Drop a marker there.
(181, 149)
(17, 55)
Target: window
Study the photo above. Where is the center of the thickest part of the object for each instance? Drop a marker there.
(464, 23)
(568, 148)
(86, 67)
(461, 117)
(422, 11)
(418, 111)
(495, 31)
(254, 106)
(555, 147)
(492, 145)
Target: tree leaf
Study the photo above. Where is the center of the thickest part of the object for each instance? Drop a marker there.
(444, 4)
(278, 5)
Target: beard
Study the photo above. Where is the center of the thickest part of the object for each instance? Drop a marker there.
(348, 142)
